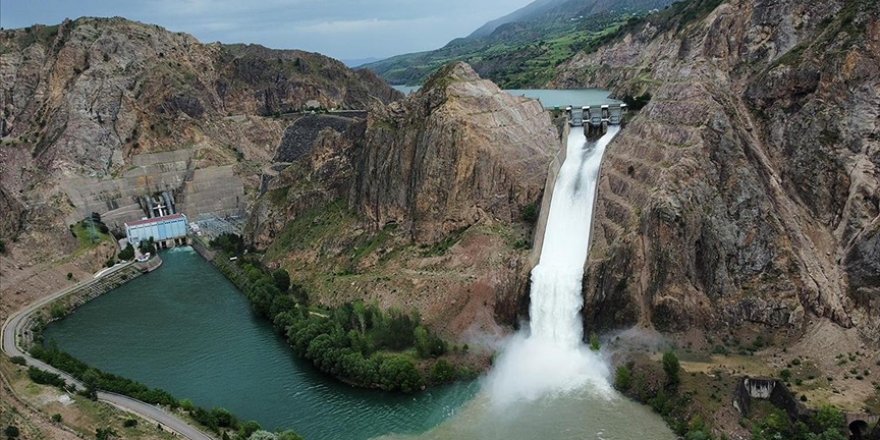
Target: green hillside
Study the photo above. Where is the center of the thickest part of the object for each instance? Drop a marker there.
(522, 53)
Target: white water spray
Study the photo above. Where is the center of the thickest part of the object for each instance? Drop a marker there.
(552, 357)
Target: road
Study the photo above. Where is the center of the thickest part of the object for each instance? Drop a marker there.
(13, 326)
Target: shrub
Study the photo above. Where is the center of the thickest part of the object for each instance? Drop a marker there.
(442, 372)
(623, 378)
(2, 246)
(45, 377)
(56, 418)
(105, 434)
(130, 423)
(672, 368)
(11, 432)
(18, 360)
(230, 243)
(594, 342)
(530, 213)
(127, 254)
(785, 374)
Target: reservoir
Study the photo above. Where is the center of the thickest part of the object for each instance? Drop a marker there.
(550, 98)
(186, 329)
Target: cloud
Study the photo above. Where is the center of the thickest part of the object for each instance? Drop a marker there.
(340, 28)
(357, 26)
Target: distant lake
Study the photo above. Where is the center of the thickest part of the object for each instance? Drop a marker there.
(550, 97)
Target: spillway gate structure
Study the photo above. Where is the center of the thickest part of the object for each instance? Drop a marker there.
(596, 119)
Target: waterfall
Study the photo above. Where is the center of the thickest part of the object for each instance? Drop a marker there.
(551, 357)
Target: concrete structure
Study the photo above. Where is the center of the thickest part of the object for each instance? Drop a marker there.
(596, 120)
(157, 184)
(166, 231)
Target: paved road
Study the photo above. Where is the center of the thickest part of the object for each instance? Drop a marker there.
(13, 326)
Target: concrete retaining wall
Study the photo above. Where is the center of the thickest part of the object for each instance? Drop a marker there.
(552, 175)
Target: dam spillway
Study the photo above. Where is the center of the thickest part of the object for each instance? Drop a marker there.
(552, 358)
(556, 298)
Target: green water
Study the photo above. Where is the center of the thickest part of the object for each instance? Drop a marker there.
(186, 329)
(550, 98)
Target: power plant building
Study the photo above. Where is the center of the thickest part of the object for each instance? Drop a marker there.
(166, 231)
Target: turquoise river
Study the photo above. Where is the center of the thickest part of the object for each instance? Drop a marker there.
(186, 329)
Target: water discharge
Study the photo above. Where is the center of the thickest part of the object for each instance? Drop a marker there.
(546, 384)
(552, 357)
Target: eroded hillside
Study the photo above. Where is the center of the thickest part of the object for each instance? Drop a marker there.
(746, 191)
(420, 207)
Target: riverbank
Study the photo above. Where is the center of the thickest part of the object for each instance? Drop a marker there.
(21, 330)
(357, 343)
(186, 329)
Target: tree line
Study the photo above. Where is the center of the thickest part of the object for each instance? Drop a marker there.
(357, 342)
(218, 420)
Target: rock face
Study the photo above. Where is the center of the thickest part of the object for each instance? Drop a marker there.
(418, 207)
(96, 104)
(747, 189)
(459, 151)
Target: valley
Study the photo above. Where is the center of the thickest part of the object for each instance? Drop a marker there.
(690, 250)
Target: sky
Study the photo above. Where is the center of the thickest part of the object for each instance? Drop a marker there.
(344, 29)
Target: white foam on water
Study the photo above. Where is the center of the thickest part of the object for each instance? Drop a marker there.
(550, 357)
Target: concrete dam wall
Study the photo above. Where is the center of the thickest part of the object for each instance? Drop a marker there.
(214, 190)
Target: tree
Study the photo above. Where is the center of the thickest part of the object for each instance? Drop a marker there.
(672, 368)
(127, 253)
(248, 428)
(830, 423)
(282, 280)
(11, 432)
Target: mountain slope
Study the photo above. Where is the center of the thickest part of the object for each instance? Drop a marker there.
(746, 191)
(98, 110)
(420, 207)
(523, 48)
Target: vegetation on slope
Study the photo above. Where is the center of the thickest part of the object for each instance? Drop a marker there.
(508, 59)
(356, 342)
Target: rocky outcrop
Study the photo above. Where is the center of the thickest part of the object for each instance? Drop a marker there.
(84, 103)
(746, 190)
(418, 207)
(458, 151)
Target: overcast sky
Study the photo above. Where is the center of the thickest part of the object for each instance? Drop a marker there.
(344, 29)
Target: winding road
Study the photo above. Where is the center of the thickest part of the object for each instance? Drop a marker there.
(13, 326)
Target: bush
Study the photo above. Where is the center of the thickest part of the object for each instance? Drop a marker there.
(623, 378)
(2, 247)
(127, 254)
(105, 434)
(56, 418)
(442, 372)
(637, 102)
(130, 423)
(18, 360)
(672, 368)
(11, 432)
(45, 377)
(530, 213)
(231, 244)
(594, 342)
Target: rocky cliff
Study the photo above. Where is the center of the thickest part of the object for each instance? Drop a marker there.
(97, 111)
(746, 191)
(419, 207)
